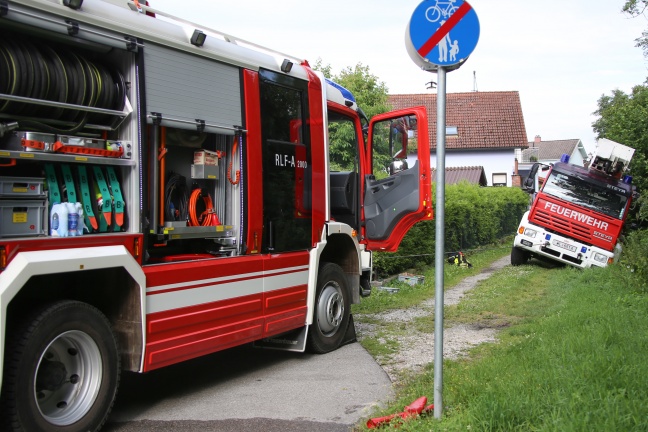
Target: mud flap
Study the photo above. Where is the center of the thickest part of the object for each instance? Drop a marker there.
(350, 335)
(295, 340)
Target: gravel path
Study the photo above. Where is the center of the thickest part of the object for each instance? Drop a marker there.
(416, 349)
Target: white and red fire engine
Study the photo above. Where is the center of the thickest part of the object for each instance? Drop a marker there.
(168, 191)
(578, 213)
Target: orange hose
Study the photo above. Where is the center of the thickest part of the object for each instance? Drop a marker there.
(229, 168)
(207, 217)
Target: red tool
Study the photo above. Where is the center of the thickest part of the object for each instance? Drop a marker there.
(414, 409)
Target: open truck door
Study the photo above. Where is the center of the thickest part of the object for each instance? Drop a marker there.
(397, 191)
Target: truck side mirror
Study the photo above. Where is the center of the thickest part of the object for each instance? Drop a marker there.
(397, 166)
(529, 182)
(528, 185)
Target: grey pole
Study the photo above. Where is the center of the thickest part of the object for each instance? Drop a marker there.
(439, 242)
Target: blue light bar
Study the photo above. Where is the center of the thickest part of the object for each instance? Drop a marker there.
(345, 93)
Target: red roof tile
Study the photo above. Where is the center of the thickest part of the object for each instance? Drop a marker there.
(472, 174)
(484, 120)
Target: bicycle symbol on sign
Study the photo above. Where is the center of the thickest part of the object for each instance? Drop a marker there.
(440, 9)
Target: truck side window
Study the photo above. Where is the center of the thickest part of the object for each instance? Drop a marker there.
(286, 164)
(344, 161)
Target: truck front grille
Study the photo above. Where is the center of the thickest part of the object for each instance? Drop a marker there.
(565, 226)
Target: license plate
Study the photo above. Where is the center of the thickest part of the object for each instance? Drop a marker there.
(563, 245)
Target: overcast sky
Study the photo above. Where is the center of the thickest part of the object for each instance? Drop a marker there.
(561, 56)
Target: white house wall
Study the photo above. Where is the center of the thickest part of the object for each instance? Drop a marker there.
(493, 161)
(577, 158)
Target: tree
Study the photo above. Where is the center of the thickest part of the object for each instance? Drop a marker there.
(371, 96)
(636, 8)
(624, 118)
(370, 93)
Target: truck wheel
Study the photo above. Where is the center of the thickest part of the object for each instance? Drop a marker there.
(61, 371)
(519, 256)
(331, 310)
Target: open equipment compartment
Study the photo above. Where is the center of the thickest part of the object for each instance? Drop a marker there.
(200, 195)
(66, 117)
(195, 144)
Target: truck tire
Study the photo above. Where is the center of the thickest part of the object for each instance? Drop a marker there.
(61, 371)
(332, 309)
(519, 256)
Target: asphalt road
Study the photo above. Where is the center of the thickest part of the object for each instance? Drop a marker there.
(252, 390)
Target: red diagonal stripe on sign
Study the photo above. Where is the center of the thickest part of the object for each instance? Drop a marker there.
(444, 29)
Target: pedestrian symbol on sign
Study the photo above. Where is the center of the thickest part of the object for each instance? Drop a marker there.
(445, 43)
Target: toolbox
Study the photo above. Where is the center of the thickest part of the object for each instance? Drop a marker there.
(23, 218)
(204, 172)
(22, 187)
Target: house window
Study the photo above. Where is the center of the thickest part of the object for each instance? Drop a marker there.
(452, 131)
(499, 179)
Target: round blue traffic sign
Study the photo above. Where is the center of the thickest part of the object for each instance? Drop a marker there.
(442, 33)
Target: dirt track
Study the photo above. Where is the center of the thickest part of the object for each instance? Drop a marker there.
(417, 348)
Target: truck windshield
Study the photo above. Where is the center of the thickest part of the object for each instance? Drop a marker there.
(593, 196)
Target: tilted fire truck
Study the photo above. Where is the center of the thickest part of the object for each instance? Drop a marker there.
(167, 191)
(578, 213)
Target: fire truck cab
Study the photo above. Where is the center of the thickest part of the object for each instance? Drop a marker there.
(168, 191)
(577, 214)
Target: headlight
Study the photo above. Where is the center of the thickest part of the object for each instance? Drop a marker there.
(530, 233)
(600, 258)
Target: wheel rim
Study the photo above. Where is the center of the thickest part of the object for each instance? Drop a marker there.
(68, 378)
(330, 309)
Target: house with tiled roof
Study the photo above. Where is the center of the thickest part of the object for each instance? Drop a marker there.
(489, 130)
(548, 152)
(473, 175)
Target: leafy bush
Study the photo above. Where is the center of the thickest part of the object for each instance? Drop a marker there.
(634, 258)
(474, 216)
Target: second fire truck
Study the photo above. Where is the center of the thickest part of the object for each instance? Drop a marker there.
(578, 213)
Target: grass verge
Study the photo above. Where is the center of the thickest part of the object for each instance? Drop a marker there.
(573, 356)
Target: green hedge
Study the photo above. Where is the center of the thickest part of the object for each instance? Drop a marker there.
(474, 216)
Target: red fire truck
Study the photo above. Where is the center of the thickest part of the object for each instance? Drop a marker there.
(168, 191)
(578, 213)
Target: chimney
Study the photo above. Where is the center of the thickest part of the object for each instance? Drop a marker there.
(537, 139)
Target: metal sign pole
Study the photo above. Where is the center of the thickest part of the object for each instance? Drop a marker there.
(433, 39)
(439, 241)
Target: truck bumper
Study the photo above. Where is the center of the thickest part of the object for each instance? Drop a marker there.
(542, 243)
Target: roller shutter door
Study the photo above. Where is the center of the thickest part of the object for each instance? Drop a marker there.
(185, 87)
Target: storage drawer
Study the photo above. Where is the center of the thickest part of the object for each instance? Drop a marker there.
(23, 218)
(22, 187)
